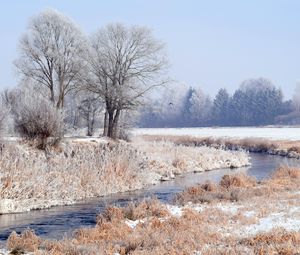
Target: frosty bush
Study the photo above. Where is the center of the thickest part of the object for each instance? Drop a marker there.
(4, 117)
(36, 118)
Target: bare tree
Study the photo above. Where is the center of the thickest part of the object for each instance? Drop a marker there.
(51, 54)
(89, 109)
(125, 63)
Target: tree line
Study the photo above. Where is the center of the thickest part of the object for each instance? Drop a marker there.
(256, 102)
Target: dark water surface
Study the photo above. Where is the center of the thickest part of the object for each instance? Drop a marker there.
(61, 221)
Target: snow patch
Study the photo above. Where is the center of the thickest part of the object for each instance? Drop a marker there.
(175, 210)
(133, 223)
(276, 220)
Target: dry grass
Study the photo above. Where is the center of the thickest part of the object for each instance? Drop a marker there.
(231, 187)
(239, 187)
(283, 148)
(172, 236)
(134, 211)
(191, 232)
(31, 178)
(27, 241)
(278, 241)
(285, 177)
(211, 230)
(169, 159)
(237, 181)
(75, 170)
(286, 173)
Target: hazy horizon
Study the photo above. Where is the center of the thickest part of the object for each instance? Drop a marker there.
(212, 45)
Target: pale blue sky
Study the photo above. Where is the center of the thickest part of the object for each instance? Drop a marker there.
(211, 44)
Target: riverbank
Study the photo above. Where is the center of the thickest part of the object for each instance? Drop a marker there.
(79, 169)
(285, 148)
(169, 159)
(237, 216)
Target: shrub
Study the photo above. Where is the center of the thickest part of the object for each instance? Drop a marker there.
(286, 172)
(234, 187)
(27, 241)
(237, 180)
(146, 208)
(286, 177)
(4, 117)
(36, 118)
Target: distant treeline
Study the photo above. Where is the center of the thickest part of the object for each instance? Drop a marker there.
(256, 102)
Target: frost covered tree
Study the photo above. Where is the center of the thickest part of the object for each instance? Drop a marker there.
(187, 105)
(221, 107)
(196, 108)
(296, 97)
(178, 106)
(51, 54)
(125, 63)
(166, 109)
(256, 102)
(90, 108)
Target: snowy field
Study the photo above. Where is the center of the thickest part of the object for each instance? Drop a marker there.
(274, 133)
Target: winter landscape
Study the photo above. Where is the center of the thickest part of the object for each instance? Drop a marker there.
(149, 127)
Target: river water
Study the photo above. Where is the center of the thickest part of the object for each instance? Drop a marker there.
(61, 221)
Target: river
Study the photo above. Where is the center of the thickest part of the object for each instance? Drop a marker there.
(61, 221)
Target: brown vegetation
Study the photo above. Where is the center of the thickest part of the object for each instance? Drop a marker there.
(134, 211)
(211, 230)
(32, 178)
(231, 187)
(286, 177)
(278, 241)
(27, 241)
(282, 148)
(238, 187)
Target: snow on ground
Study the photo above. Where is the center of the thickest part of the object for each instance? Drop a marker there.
(275, 220)
(176, 210)
(274, 133)
(283, 219)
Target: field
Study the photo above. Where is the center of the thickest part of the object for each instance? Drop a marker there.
(272, 133)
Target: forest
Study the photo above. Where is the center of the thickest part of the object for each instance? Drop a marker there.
(256, 102)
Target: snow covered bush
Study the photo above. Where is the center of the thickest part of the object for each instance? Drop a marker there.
(4, 117)
(36, 118)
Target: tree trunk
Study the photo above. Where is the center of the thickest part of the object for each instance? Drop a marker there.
(105, 125)
(113, 123)
(92, 124)
(110, 123)
(60, 102)
(115, 130)
(61, 93)
(52, 96)
(89, 132)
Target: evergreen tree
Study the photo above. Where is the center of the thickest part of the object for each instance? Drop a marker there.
(221, 107)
